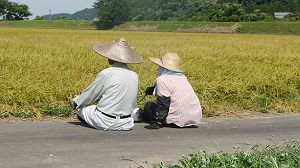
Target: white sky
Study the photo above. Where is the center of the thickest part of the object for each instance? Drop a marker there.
(42, 7)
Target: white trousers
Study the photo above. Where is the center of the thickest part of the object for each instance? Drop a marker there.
(102, 122)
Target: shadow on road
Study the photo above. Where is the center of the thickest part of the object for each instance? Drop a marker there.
(81, 124)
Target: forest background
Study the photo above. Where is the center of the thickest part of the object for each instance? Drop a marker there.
(110, 13)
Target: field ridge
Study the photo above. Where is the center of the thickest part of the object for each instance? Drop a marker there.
(276, 27)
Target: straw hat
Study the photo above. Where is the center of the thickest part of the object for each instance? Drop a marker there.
(170, 61)
(118, 50)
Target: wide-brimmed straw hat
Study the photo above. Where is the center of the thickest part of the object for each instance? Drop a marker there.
(170, 61)
(118, 50)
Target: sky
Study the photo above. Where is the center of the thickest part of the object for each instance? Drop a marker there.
(43, 7)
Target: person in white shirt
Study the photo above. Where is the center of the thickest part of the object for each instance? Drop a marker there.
(114, 89)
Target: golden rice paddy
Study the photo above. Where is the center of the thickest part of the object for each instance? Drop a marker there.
(40, 67)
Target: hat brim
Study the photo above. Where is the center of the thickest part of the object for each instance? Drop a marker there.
(120, 53)
(158, 62)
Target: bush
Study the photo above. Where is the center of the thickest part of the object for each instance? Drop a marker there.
(292, 17)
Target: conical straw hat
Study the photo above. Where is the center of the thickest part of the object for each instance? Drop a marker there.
(170, 61)
(118, 50)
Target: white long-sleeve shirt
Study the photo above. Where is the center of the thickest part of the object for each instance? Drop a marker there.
(114, 88)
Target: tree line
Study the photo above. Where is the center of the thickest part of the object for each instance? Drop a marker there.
(113, 12)
(13, 11)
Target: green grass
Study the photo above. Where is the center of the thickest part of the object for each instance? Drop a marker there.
(3, 115)
(208, 114)
(56, 110)
(271, 27)
(55, 24)
(173, 25)
(272, 156)
(22, 114)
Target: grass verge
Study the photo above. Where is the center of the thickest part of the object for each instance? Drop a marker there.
(278, 27)
(271, 27)
(50, 24)
(273, 156)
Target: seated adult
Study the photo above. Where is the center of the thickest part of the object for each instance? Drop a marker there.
(176, 105)
(114, 90)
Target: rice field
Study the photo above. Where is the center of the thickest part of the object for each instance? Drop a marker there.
(42, 67)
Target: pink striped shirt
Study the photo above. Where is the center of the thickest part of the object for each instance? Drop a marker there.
(185, 109)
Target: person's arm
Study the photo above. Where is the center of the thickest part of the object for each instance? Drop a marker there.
(92, 92)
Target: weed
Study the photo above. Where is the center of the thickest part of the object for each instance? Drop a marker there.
(23, 114)
(208, 114)
(3, 115)
(287, 155)
(55, 110)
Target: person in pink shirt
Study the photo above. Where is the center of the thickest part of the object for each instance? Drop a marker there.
(177, 104)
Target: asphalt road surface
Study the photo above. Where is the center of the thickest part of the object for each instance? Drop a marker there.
(72, 145)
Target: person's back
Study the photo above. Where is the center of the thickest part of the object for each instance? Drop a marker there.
(122, 83)
(114, 88)
(177, 105)
(185, 109)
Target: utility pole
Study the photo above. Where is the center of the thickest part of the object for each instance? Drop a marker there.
(50, 14)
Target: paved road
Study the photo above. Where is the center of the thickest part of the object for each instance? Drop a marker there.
(71, 145)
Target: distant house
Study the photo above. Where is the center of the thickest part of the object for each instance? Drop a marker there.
(281, 15)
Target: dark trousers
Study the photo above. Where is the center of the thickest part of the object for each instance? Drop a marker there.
(149, 116)
(149, 113)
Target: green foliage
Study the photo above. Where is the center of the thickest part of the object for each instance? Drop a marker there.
(23, 114)
(292, 17)
(3, 115)
(257, 15)
(287, 155)
(51, 24)
(231, 12)
(55, 110)
(3, 4)
(292, 28)
(208, 114)
(277, 27)
(13, 10)
(193, 10)
(111, 13)
(226, 12)
(38, 18)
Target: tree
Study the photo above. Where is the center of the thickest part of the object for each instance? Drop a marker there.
(111, 13)
(13, 11)
(195, 8)
(226, 12)
(3, 7)
(38, 18)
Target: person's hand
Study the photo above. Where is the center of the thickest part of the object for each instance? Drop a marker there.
(72, 103)
(150, 90)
